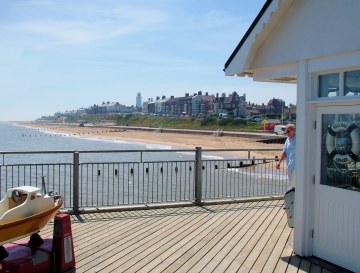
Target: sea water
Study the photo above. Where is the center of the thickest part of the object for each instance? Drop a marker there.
(14, 137)
(165, 171)
(26, 153)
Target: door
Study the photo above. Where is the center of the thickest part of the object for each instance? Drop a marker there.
(337, 186)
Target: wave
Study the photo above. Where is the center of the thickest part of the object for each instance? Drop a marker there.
(204, 156)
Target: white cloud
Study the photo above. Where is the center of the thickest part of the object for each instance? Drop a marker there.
(100, 50)
(86, 24)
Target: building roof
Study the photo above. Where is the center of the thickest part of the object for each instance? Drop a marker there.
(247, 59)
(276, 100)
(279, 38)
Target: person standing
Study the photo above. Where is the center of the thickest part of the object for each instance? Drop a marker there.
(289, 153)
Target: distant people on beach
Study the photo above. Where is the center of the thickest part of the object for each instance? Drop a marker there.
(289, 154)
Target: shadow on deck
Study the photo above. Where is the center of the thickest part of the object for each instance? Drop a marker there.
(239, 237)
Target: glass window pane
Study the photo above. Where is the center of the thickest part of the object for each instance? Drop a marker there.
(329, 85)
(340, 151)
(352, 83)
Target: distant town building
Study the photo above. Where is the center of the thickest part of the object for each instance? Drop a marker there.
(114, 107)
(233, 105)
(145, 107)
(160, 105)
(276, 105)
(106, 108)
(179, 106)
(201, 104)
(197, 104)
(290, 112)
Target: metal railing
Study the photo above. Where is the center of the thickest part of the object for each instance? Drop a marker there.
(144, 176)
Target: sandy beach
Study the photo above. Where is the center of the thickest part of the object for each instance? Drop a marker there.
(175, 140)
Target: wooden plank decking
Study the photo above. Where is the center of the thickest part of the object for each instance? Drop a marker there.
(241, 237)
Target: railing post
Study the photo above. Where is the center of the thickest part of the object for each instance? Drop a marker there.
(198, 176)
(76, 182)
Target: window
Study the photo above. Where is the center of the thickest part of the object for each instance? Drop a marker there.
(352, 83)
(329, 85)
(339, 84)
(340, 151)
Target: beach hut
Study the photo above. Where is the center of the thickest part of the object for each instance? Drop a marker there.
(269, 124)
(315, 44)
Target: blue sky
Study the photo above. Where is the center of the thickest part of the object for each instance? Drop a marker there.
(63, 55)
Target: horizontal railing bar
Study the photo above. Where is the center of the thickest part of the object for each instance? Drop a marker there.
(243, 150)
(134, 162)
(137, 151)
(96, 151)
(38, 164)
(137, 162)
(142, 151)
(37, 152)
(244, 158)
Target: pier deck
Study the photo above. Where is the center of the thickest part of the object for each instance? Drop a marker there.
(240, 237)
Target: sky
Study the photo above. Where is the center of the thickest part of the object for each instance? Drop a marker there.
(58, 56)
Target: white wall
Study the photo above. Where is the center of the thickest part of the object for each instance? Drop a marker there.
(331, 23)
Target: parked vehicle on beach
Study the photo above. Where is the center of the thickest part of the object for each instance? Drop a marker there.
(280, 129)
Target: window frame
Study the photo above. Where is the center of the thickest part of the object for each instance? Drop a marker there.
(341, 73)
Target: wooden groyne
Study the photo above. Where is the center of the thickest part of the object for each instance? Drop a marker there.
(272, 140)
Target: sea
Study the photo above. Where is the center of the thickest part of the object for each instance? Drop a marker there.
(15, 137)
(110, 166)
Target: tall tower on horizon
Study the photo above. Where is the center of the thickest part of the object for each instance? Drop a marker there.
(138, 101)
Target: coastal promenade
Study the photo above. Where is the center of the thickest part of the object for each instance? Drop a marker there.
(249, 134)
(194, 131)
(238, 237)
(265, 136)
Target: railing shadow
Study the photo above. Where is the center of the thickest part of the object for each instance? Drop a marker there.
(176, 211)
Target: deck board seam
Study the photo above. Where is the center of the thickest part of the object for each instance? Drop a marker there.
(191, 216)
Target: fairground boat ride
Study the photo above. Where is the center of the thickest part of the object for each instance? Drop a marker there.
(24, 211)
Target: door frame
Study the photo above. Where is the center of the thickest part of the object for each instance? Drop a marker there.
(333, 224)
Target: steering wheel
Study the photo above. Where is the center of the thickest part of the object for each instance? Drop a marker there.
(16, 196)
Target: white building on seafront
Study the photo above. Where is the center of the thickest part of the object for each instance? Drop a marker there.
(315, 44)
(138, 101)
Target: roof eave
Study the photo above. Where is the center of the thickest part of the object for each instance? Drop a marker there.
(247, 34)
